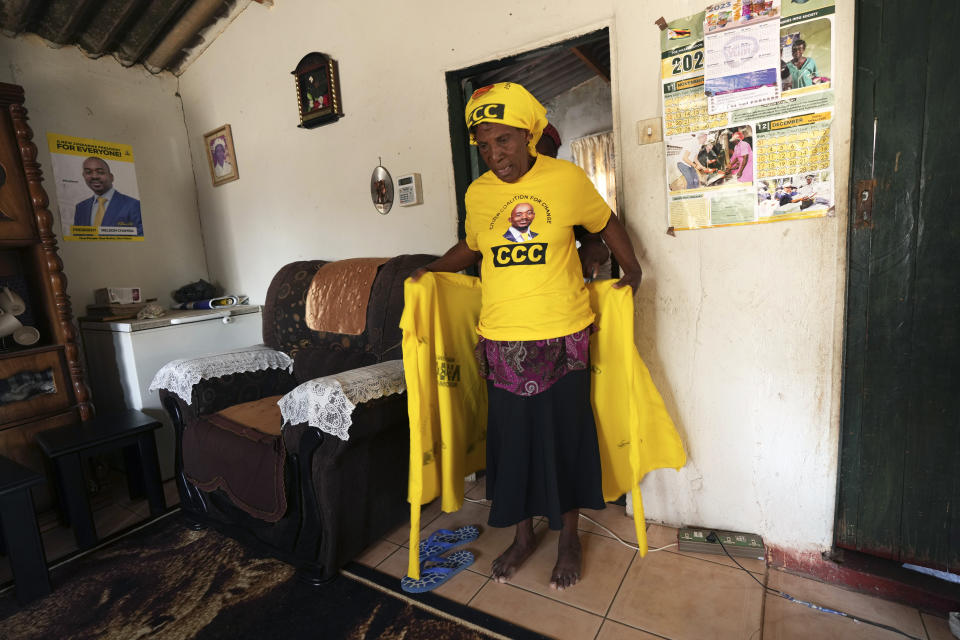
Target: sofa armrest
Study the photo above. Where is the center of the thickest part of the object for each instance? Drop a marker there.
(216, 394)
(327, 403)
(181, 376)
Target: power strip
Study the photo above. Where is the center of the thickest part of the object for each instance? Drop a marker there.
(737, 543)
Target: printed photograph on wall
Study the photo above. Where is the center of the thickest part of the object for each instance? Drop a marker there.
(805, 56)
(96, 186)
(714, 158)
(221, 155)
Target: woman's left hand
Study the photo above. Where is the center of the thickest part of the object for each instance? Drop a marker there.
(630, 278)
(619, 242)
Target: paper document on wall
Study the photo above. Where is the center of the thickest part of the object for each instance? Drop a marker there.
(741, 54)
(759, 163)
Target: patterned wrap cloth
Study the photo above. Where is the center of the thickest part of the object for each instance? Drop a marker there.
(529, 367)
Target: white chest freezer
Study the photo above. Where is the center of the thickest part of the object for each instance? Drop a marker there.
(123, 356)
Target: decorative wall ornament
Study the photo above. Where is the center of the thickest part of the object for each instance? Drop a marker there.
(317, 81)
(381, 189)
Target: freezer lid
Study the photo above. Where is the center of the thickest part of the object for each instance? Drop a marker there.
(173, 316)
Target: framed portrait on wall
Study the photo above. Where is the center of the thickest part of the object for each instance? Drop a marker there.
(317, 83)
(221, 155)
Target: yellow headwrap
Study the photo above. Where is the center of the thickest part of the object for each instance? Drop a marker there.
(510, 104)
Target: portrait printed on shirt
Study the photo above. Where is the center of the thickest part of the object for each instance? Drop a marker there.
(527, 246)
(520, 220)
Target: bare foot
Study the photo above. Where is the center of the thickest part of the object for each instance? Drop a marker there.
(566, 573)
(515, 555)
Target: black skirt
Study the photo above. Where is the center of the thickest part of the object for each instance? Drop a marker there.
(543, 458)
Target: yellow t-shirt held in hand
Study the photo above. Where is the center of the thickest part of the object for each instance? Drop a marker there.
(533, 289)
(446, 398)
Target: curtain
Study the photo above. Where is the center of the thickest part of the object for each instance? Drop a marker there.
(594, 154)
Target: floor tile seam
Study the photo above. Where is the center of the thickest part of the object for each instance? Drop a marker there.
(847, 589)
(714, 562)
(126, 508)
(926, 631)
(635, 627)
(856, 618)
(552, 599)
(620, 586)
(763, 604)
(469, 602)
(603, 534)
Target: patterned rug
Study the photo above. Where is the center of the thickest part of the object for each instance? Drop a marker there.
(168, 581)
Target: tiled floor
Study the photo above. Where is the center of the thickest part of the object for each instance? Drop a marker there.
(667, 594)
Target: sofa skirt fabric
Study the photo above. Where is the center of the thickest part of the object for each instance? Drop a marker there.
(223, 451)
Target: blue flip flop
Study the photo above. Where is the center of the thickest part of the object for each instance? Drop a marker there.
(442, 540)
(435, 572)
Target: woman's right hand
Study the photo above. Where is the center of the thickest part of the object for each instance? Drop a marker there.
(457, 258)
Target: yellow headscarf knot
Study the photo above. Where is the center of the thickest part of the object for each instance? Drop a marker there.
(510, 104)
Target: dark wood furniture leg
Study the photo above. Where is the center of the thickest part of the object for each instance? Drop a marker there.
(74, 486)
(131, 431)
(21, 534)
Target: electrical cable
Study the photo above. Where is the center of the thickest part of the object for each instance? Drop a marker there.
(618, 538)
(713, 537)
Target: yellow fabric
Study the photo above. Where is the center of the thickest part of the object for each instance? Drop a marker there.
(510, 104)
(446, 397)
(98, 217)
(526, 283)
(635, 432)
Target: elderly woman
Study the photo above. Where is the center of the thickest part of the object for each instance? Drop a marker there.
(535, 323)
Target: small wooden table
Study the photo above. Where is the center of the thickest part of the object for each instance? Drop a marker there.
(20, 532)
(67, 447)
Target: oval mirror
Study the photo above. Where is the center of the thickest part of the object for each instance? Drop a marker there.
(381, 190)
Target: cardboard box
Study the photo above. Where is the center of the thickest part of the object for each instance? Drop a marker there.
(117, 295)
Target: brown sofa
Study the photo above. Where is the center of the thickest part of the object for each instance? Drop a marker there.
(302, 495)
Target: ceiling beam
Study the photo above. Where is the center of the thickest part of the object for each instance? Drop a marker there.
(587, 60)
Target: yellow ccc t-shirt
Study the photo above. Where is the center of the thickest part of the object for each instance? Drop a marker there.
(532, 278)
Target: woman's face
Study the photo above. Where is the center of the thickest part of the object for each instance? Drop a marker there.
(797, 51)
(503, 149)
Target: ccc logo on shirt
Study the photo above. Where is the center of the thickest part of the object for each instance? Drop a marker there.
(512, 255)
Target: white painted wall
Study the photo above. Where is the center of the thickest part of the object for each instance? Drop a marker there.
(581, 111)
(70, 94)
(741, 327)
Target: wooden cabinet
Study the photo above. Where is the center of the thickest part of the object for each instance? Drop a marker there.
(42, 384)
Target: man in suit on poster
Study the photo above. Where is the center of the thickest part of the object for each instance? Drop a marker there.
(107, 207)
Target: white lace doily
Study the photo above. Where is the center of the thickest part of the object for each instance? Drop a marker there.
(179, 376)
(327, 403)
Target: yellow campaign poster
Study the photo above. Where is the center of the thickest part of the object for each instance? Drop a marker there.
(96, 187)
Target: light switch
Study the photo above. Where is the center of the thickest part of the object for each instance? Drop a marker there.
(649, 130)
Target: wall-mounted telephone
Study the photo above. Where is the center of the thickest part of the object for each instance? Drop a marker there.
(409, 191)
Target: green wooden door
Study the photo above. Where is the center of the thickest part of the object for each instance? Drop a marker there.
(899, 485)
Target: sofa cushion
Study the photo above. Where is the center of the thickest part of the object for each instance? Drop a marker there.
(244, 461)
(261, 415)
(316, 362)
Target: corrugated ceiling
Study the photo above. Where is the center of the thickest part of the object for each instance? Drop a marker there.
(159, 34)
(169, 34)
(555, 71)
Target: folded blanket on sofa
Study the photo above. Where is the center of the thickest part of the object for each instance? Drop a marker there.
(339, 293)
